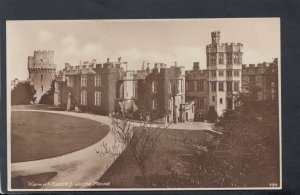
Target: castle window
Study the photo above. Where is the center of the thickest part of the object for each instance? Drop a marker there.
(42, 88)
(236, 58)
(83, 80)
(154, 104)
(154, 86)
(200, 103)
(213, 86)
(169, 87)
(236, 86)
(236, 73)
(41, 77)
(229, 86)
(83, 98)
(182, 86)
(221, 73)
(200, 85)
(213, 73)
(170, 104)
(221, 86)
(190, 85)
(213, 98)
(221, 58)
(229, 58)
(98, 98)
(70, 81)
(221, 101)
(229, 73)
(97, 81)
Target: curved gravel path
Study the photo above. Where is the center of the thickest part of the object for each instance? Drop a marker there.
(77, 167)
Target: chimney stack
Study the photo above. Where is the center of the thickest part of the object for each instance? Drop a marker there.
(175, 64)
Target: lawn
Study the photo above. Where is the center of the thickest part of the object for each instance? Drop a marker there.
(38, 135)
(169, 158)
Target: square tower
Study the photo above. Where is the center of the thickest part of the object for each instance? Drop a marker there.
(224, 64)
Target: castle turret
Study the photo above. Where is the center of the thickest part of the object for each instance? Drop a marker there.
(215, 37)
(42, 71)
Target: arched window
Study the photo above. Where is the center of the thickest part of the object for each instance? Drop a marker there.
(154, 104)
(98, 98)
(169, 87)
(154, 86)
(41, 77)
(83, 98)
(170, 104)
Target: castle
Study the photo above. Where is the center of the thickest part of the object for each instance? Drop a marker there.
(170, 94)
(42, 71)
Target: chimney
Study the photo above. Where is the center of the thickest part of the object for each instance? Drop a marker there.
(108, 60)
(175, 64)
(148, 67)
(119, 60)
(143, 65)
(196, 66)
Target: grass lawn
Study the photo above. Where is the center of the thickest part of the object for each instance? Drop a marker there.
(38, 135)
(124, 173)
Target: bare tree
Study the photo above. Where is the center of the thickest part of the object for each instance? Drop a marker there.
(141, 140)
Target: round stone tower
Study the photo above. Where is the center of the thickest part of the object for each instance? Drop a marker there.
(42, 71)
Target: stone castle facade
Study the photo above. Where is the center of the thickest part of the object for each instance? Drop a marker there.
(42, 71)
(171, 94)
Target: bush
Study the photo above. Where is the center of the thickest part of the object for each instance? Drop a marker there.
(23, 94)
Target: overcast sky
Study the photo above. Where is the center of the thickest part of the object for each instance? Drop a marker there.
(136, 41)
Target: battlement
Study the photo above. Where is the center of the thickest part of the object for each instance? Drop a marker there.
(91, 67)
(196, 74)
(41, 59)
(42, 51)
(260, 68)
(224, 47)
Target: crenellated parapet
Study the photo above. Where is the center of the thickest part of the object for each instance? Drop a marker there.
(42, 59)
(257, 69)
(224, 47)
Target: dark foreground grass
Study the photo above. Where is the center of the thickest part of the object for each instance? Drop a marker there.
(170, 158)
(38, 135)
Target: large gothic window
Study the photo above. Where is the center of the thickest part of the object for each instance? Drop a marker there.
(98, 98)
(154, 86)
(70, 81)
(83, 98)
(97, 81)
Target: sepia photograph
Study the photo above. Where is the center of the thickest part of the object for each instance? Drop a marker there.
(143, 104)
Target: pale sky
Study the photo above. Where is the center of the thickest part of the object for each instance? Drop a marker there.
(164, 41)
